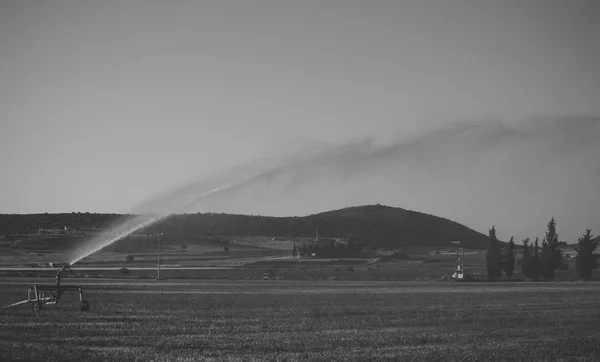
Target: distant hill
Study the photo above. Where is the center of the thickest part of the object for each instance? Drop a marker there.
(377, 225)
(396, 227)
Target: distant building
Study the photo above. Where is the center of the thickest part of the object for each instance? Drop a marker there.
(89, 229)
(50, 231)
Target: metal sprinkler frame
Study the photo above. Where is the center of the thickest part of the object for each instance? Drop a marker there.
(39, 295)
(459, 272)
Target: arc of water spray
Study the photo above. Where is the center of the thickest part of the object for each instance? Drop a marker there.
(129, 226)
(336, 157)
(140, 222)
(359, 156)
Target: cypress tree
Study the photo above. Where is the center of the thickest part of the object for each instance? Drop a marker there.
(586, 261)
(526, 261)
(492, 259)
(535, 260)
(509, 258)
(551, 258)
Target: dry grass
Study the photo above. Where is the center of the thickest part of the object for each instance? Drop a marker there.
(247, 321)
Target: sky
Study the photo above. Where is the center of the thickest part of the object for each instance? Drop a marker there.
(104, 105)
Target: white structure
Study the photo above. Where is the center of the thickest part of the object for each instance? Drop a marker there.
(459, 273)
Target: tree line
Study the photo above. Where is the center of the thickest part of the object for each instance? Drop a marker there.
(541, 261)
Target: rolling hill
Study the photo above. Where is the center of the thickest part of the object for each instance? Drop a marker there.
(376, 225)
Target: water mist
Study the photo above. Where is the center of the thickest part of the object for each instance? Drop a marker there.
(450, 151)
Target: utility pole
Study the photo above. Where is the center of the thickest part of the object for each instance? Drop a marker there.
(158, 261)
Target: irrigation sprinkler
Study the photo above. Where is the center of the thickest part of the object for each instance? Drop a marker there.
(459, 273)
(40, 295)
(269, 274)
(158, 257)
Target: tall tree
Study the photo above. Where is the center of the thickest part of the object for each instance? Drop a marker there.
(535, 260)
(526, 261)
(586, 261)
(509, 258)
(294, 252)
(492, 259)
(551, 258)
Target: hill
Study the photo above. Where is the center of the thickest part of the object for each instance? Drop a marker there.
(397, 227)
(376, 225)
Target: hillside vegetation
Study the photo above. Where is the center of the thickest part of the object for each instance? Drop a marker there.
(377, 225)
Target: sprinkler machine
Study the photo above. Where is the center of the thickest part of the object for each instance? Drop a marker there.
(269, 274)
(39, 295)
(459, 273)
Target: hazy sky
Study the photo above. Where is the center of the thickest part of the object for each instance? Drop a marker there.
(105, 103)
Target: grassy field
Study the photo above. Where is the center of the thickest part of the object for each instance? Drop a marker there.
(318, 321)
(36, 250)
(245, 266)
(250, 255)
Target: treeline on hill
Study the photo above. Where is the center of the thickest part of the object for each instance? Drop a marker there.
(375, 225)
(541, 262)
(11, 224)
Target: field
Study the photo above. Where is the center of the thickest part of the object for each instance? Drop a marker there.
(245, 320)
(249, 256)
(375, 307)
(248, 263)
